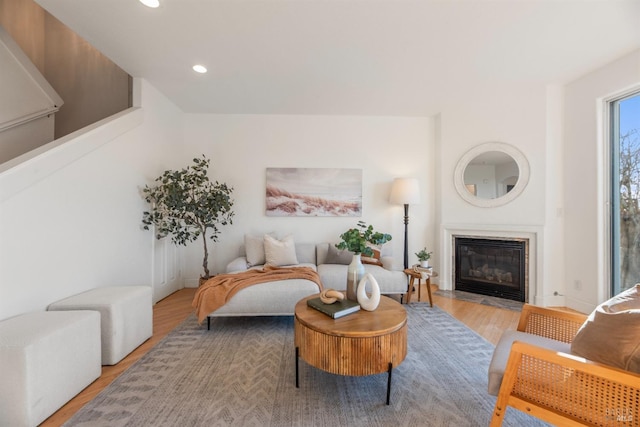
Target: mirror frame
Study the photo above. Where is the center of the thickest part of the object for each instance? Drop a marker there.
(523, 174)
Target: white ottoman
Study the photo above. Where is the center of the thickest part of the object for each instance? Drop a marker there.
(46, 358)
(126, 317)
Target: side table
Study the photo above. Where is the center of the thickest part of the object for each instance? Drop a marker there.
(419, 274)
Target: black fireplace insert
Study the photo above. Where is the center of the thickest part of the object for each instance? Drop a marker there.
(491, 267)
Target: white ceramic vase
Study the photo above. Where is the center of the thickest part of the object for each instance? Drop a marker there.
(355, 272)
(424, 264)
(367, 302)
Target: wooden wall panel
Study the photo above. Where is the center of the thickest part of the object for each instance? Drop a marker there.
(91, 85)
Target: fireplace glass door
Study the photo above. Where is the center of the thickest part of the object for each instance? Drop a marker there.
(491, 267)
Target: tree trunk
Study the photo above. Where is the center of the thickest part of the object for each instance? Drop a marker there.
(206, 255)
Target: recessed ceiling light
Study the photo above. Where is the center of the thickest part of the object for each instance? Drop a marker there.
(200, 69)
(150, 3)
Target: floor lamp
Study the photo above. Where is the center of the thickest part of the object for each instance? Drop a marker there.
(405, 191)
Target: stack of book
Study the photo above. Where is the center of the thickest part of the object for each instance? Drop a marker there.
(337, 309)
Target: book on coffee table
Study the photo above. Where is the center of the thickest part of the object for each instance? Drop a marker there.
(335, 310)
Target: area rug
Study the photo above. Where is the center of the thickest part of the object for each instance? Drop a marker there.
(242, 373)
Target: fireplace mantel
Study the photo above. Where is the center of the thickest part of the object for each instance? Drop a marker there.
(531, 233)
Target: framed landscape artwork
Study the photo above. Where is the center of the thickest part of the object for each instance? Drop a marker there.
(314, 192)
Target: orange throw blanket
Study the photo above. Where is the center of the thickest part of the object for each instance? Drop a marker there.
(218, 290)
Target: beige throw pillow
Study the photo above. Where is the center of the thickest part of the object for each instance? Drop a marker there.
(611, 334)
(254, 249)
(280, 252)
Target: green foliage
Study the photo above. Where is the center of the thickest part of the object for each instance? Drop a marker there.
(186, 205)
(355, 239)
(423, 255)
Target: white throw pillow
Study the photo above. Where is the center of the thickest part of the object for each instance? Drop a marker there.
(254, 249)
(280, 252)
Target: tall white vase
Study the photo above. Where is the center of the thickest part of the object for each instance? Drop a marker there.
(355, 272)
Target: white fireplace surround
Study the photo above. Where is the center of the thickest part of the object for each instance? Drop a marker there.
(531, 233)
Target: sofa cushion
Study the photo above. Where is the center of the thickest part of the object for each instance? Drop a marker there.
(337, 256)
(280, 252)
(254, 249)
(306, 253)
(390, 281)
(610, 334)
(503, 348)
(277, 298)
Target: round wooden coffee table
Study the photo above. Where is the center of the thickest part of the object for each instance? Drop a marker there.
(361, 343)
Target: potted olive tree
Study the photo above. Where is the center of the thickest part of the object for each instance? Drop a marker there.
(186, 205)
(356, 240)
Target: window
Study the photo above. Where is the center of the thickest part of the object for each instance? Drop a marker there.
(625, 191)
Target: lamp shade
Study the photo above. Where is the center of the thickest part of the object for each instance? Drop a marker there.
(405, 191)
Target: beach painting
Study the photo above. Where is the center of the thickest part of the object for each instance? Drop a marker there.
(314, 192)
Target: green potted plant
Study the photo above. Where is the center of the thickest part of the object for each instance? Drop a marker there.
(186, 205)
(424, 257)
(356, 240)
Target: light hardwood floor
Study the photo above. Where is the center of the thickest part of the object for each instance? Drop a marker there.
(488, 322)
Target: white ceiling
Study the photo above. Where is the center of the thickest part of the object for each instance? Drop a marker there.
(350, 57)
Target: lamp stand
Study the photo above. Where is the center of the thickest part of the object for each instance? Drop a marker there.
(406, 243)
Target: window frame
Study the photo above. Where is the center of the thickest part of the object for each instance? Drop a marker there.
(611, 137)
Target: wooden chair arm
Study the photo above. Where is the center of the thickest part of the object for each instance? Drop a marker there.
(550, 323)
(548, 385)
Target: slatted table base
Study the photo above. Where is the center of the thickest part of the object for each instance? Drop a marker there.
(352, 356)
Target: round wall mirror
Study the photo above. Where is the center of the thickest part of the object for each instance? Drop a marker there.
(491, 174)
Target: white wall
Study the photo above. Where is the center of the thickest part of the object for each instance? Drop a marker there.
(513, 114)
(505, 112)
(70, 212)
(586, 209)
(242, 147)
(70, 217)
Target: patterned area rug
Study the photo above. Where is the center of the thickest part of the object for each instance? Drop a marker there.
(242, 373)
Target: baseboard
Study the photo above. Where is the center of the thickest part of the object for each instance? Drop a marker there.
(549, 301)
(191, 283)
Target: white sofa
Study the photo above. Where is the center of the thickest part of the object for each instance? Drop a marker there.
(280, 297)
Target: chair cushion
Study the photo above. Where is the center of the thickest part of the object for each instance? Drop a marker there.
(503, 348)
(610, 334)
